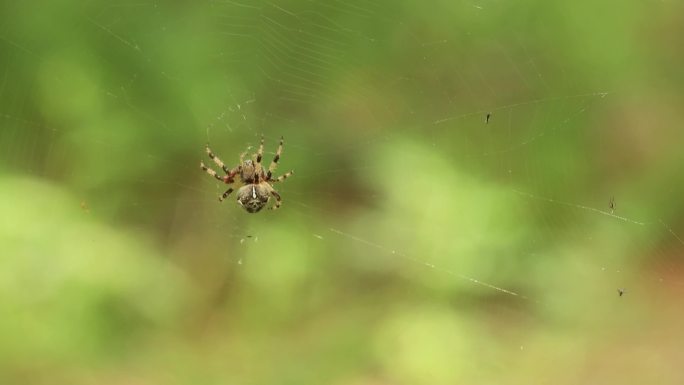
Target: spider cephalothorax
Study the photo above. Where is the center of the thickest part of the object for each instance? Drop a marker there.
(255, 189)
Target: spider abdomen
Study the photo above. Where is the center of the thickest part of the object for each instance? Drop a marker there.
(253, 197)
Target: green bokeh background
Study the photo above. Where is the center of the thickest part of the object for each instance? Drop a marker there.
(417, 244)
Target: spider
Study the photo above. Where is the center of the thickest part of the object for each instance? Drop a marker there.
(254, 185)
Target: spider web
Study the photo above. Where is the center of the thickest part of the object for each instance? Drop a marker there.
(456, 172)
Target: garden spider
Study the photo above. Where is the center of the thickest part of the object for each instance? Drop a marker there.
(255, 185)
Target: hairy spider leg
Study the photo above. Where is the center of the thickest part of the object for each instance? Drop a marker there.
(278, 200)
(225, 194)
(260, 152)
(259, 169)
(217, 160)
(211, 172)
(282, 177)
(274, 162)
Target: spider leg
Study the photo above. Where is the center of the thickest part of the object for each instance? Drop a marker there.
(282, 177)
(259, 169)
(260, 152)
(225, 194)
(274, 163)
(217, 160)
(230, 178)
(278, 200)
(210, 171)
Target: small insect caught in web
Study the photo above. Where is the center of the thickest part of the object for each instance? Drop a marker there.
(611, 205)
(242, 240)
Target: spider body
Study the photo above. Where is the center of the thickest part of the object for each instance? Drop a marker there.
(248, 171)
(253, 197)
(253, 183)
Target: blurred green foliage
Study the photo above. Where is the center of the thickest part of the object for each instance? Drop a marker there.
(417, 243)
